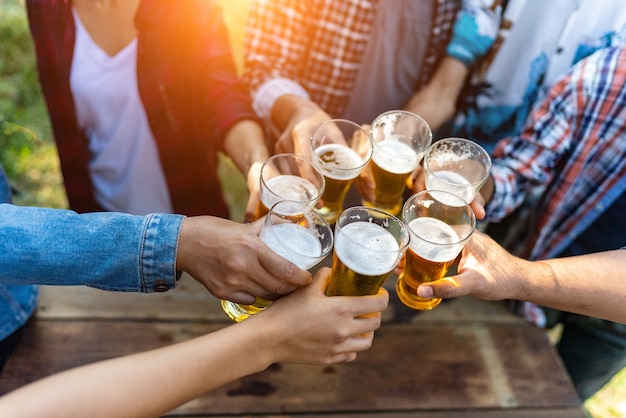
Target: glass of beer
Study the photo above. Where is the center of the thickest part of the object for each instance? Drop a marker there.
(289, 177)
(341, 149)
(400, 140)
(457, 165)
(296, 232)
(369, 243)
(440, 224)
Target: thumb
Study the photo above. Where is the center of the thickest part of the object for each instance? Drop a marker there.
(444, 288)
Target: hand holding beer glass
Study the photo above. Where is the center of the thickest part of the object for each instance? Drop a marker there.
(440, 224)
(400, 140)
(341, 149)
(369, 243)
(296, 232)
(288, 177)
(457, 165)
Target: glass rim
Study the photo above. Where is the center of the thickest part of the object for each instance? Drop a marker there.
(475, 144)
(407, 113)
(466, 205)
(268, 223)
(263, 182)
(405, 239)
(357, 126)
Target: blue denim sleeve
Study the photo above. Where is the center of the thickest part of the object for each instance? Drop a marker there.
(110, 251)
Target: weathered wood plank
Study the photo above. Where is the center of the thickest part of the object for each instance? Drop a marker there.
(189, 302)
(411, 367)
(192, 302)
(518, 413)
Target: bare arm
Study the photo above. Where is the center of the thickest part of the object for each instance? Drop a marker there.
(436, 102)
(592, 284)
(245, 145)
(305, 327)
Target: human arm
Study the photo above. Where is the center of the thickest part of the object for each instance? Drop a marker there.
(245, 145)
(304, 327)
(436, 101)
(475, 29)
(121, 252)
(592, 284)
(110, 251)
(280, 36)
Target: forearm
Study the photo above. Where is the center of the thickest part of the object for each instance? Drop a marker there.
(111, 251)
(592, 284)
(142, 385)
(245, 145)
(436, 102)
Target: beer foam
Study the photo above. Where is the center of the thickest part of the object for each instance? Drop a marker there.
(395, 156)
(288, 187)
(434, 240)
(367, 248)
(452, 182)
(293, 242)
(338, 161)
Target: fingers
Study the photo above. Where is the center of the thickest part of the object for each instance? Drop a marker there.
(444, 288)
(478, 206)
(365, 184)
(253, 184)
(250, 214)
(241, 298)
(417, 182)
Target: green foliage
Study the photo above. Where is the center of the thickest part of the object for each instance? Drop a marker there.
(27, 151)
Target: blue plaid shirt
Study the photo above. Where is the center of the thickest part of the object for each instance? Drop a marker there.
(571, 153)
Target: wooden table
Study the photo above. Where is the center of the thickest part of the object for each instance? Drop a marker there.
(467, 358)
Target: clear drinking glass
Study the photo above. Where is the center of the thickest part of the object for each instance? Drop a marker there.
(457, 165)
(296, 232)
(369, 243)
(400, 140)
(341, 149)
(289, 177)
(440, 224)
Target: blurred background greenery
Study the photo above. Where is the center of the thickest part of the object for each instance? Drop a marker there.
(28, 153)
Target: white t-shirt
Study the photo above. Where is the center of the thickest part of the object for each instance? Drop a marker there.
(546, 38)
(125, 168)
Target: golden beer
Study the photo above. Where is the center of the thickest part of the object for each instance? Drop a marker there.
(285, 187)
(340, 165)
(364, 255)
(392, 163)
(238, 312)
(433, 248)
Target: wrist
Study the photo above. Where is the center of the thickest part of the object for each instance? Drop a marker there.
(291, 107)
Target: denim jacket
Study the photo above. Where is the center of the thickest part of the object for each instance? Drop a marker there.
(58, 247)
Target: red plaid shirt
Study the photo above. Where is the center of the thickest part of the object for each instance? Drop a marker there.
(320, 44)
(188, 86)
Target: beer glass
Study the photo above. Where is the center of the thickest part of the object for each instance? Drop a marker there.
(288, 177)
(457, 165)
(296, 232)
(440, 224)
(400, 140)
(369, 243)
(341, 149)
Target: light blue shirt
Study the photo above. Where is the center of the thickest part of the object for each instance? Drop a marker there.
(110, 251)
